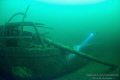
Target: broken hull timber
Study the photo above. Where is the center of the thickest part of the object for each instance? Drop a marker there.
(35, 63)
(30, 56)
(24, 57)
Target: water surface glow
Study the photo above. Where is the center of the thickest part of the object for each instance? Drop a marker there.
(72, 2)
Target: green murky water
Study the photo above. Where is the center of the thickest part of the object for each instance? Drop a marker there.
(73, 24)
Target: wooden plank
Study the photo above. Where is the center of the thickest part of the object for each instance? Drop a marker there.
(81, 54)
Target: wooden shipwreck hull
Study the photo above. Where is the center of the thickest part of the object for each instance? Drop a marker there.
(26, 55)
(35, 63)
(20, 63)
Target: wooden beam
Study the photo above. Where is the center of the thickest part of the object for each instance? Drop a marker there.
(81, 54)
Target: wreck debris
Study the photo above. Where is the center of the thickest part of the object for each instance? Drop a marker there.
(44, 41)
(21, 26)
(11, 45)
(80, 53)
(38, 35)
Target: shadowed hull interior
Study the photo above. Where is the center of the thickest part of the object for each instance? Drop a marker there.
(35, 63)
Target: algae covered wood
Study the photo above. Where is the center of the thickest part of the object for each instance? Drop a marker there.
(79, 53)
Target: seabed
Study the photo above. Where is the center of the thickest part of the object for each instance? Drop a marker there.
(96, 71)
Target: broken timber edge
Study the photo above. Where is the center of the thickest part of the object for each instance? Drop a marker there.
(80, 53)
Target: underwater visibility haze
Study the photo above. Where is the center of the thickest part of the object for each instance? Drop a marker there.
(88, 26)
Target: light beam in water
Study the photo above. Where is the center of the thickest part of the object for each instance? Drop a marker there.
(78, 47)
(84, 42)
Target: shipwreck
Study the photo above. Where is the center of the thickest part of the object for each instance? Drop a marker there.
(26, 56)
